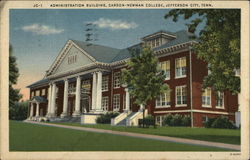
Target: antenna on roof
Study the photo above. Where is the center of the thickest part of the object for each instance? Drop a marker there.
(90, 33)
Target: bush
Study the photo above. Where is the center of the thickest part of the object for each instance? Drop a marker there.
(106, 118)
(223, 122)
(209, 122)
(220, 122)
(167, 119)
(186, 120)
(177, 120)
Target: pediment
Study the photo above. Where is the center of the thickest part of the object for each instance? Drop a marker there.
(72, 57)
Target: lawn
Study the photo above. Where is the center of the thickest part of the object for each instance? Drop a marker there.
(34, 137)
(230, 136)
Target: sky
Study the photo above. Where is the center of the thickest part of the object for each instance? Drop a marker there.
(37, 36)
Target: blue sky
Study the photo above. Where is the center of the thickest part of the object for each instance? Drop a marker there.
(37, 36)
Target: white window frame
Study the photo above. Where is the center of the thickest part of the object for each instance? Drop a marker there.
(116, 102)
(206, 105)
(37, 91)
(117, 80)
(181, 68)
(105, 83)
(176, 98)
(105, 103)
(167, 72)
(223, 100)
(159, 101)
(43, 92)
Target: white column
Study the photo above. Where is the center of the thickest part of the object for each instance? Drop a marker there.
(77, 111)
(31, 109)
(49, 101)
(127, 99)
(99, 92)
(65, 99)
(53, 100)
(37, 109)
(93, 104)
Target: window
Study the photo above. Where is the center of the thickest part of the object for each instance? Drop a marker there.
(86, 87)
(181, 95)
(117, 79)
(37, 93)
(165, 66)
(43, 92)
(206, 97)
(116, 102)
(105, 80)
(32, 94)
(72, 59)
(163, 100)
(180, 67)
(220, 100)
(208, 68)
(72, 88)
(105, 103)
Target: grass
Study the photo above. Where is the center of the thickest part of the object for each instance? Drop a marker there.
(33, 137)
(230, 136)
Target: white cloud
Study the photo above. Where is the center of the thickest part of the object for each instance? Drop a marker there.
(114, 24)
(39, 29)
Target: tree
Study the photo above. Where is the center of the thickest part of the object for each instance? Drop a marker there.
(218, 44)
(14, 95)
(144, 78)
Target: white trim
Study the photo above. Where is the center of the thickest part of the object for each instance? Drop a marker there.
(180, 77)
(181, 105)
(167, 106)
(207, 106)
(196, 110)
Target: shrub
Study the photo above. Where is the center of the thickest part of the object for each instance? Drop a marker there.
(209, 122)
(167, 119)
(186, 120)
(223, 122)
(106, 118)
(220, 122)
(177, 120)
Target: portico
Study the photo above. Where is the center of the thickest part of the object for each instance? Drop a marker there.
(76, 87)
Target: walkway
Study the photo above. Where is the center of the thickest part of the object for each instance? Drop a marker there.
(147, 136)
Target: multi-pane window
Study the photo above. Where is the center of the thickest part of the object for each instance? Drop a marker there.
(86, 87)
(105, 80)
(163, 100)
(43, 92)
(181, 95)
(206, 97)
(180, 67)
(105, 103)
(165, 66)
(72, 59)
(220, 100)
(116, 102)
(37, 93)
(124, 101)
(32, 94)
(117, 79)
(72, 88)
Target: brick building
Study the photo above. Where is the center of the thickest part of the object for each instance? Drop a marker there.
(84, 80)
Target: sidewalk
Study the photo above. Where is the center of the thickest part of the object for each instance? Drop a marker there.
(146, 136)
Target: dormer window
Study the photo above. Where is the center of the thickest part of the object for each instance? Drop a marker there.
(159, 38)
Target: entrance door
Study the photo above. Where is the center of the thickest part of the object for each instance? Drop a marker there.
(85, 103)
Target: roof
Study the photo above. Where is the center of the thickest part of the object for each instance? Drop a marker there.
(38, 99)
(100, 53)
(108, 54)
(38, 83)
